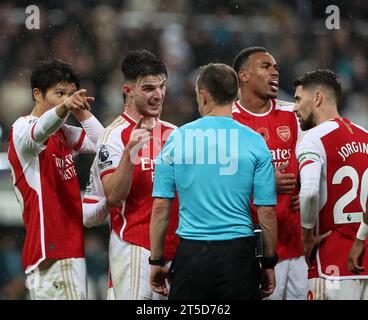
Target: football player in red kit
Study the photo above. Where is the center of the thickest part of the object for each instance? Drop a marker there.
(41, 149)
(274, 119)
(333, 157)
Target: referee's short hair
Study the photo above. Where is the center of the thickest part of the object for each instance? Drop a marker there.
(220, 81)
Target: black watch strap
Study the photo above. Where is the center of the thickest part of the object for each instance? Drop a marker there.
(157, 262)
(269, 262)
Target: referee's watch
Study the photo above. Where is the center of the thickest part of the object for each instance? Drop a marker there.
(156, 262)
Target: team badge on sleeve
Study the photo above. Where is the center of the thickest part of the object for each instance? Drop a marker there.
(103, 156)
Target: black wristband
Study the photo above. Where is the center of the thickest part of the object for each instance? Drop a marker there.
(157, 262)
(269, 262)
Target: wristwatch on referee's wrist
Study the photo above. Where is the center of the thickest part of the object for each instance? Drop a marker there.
(269, 262)
(156, 262)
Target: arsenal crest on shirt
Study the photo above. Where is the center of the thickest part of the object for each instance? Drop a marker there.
(284, 133)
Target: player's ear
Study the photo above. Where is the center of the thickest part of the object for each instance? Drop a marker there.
(37, 94)
(204, 96)
(127, 89)
(318, 98)
(243, 75)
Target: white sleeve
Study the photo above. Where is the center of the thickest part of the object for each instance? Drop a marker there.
(84, 140)
(30, 133)
(93, 128)
(95, 210)
(109, 154)
(77, 139)
(95, 213)
(309, 194)
(310, 160)
(46, 125)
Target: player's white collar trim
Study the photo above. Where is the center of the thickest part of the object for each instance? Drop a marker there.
(135, 121)
(256, 114)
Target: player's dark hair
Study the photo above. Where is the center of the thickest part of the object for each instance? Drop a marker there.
(242, 57)
(47, 74)
(321, 77)
(220, 80)
(141, 63)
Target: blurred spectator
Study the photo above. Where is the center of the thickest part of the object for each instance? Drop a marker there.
(12, 279)
(97, 262)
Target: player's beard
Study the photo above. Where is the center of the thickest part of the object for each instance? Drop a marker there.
(267, 95)
(272, 95)
(308, 123)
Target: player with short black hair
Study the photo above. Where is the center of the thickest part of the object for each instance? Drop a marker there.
(47, 74)
(242, 58)
(274, 119)
(41, 149)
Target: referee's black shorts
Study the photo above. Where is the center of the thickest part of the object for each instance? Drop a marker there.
(215, 270)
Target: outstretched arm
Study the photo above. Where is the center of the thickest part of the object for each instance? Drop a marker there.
(52, 120)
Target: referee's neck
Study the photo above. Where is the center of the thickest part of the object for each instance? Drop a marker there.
(219, 111)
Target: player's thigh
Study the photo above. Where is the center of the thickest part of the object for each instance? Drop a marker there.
(323, 289)
(79, 277)
(281, 274)
(64, 280)
(130, 270)
(46, 284)
(297, 283)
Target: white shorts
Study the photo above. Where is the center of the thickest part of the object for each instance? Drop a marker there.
(130, 271)
(110, 294)
(64, 280)
(323, 289)
(291, 280)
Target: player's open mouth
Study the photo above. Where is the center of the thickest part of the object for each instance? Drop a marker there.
(274, 84)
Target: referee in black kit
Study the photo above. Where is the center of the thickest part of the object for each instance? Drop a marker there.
(215, 164)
